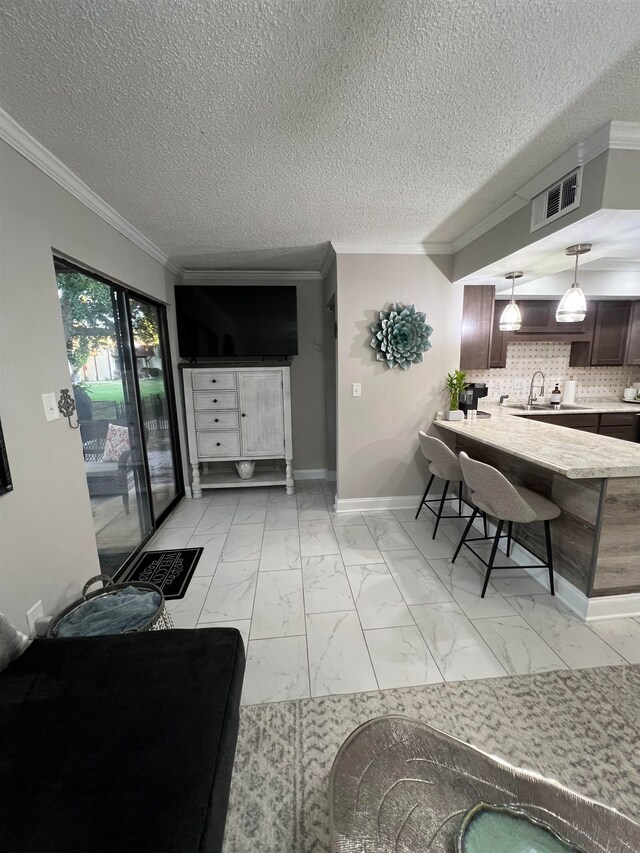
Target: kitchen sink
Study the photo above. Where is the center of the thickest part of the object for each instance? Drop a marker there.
(527, 407)
(547, 407)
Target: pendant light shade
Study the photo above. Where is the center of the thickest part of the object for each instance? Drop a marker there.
(510, 321)
(573, 305)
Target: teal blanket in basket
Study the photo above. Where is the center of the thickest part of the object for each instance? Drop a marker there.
(129, 609)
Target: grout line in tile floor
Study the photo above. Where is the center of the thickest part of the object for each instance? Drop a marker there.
(304, 616)
(560, 618)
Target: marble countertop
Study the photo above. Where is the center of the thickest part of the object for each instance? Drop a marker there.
(572, 453)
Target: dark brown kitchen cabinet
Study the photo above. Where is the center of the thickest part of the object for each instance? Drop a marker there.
(620, 425)
(499, 341)
(608, 336)
(539, 318)
(586, 423)
(610, 333)
(633, 342)
(477, 323)
(539, 324)
(614, 424)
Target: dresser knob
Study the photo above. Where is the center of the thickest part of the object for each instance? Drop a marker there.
(217, 444)
(216, 420)
(214, 380)
(243, 415)
(215, 401)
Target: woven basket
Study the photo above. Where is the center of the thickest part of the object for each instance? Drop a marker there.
(160, 620)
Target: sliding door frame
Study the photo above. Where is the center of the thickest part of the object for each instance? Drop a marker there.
(171, 397)
(122, 293)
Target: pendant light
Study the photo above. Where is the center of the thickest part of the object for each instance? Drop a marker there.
(510, 321)
(573, 305)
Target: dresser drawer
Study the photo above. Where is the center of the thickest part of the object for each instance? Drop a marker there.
(216, 420)
(212, 443)
(215, 400)
(216, 379)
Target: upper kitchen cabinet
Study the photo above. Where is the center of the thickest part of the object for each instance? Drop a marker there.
(633, 343)
(616, 334)
(477, 324)
(484, 345)
(539, 318)
(608, 336)
(610, 333)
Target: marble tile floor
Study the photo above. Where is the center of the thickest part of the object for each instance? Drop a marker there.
(330, 604)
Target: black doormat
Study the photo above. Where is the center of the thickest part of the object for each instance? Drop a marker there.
(170, 570)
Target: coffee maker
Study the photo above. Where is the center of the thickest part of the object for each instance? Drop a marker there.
(468, 399)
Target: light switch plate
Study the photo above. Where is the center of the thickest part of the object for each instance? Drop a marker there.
(357, 389)
(50, 407)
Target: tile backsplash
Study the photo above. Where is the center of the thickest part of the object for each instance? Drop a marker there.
(553, 360)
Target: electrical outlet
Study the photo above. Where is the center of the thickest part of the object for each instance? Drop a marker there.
(357, 389)
(35, 612)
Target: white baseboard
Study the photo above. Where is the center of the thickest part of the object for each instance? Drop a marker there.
(613, 606)
(372, 504)
(588, 609)
(311, 474)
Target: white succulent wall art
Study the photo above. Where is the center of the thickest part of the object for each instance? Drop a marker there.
(401, 336)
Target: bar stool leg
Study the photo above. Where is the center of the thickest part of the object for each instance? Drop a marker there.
(547, 536)
(441, 507)
(494, 548)
(460, 498)
(424, 497)
(484, 521)
(464, 535)
(510, 531)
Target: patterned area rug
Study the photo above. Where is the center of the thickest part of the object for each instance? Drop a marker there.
(170, 570)
(579, 727)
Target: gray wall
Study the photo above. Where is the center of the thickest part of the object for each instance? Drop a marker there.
(622, 187)
(47, 543)
(378, 452)
(307, 375)
(330, 367)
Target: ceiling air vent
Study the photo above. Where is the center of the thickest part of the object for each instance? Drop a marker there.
(557, 200)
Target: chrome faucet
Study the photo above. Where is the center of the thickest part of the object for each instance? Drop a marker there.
(532, 397)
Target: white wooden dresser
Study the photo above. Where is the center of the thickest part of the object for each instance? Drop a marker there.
(235, 414)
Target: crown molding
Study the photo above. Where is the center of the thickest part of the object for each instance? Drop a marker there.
(615, 134)
(251, 275)
(21, 141)
(329, 258)
(625, 134)
(392, 248)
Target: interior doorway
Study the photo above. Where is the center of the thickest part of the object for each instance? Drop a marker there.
(119, 360)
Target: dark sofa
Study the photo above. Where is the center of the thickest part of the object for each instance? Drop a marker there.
(121, 743)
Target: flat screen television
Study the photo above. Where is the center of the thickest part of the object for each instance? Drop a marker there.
(217, 320)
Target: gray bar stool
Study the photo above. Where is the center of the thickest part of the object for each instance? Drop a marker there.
(443, 463)
(492, 494)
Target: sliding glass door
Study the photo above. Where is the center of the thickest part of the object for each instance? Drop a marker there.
(153, 372)
(117, 351)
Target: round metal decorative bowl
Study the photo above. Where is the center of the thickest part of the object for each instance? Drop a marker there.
(488, 828)
(398, 785)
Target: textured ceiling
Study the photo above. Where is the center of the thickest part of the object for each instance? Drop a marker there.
(247, 133)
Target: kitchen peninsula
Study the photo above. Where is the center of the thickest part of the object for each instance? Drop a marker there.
(594, 479)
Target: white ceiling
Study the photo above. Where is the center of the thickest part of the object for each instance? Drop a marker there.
(248, 133)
